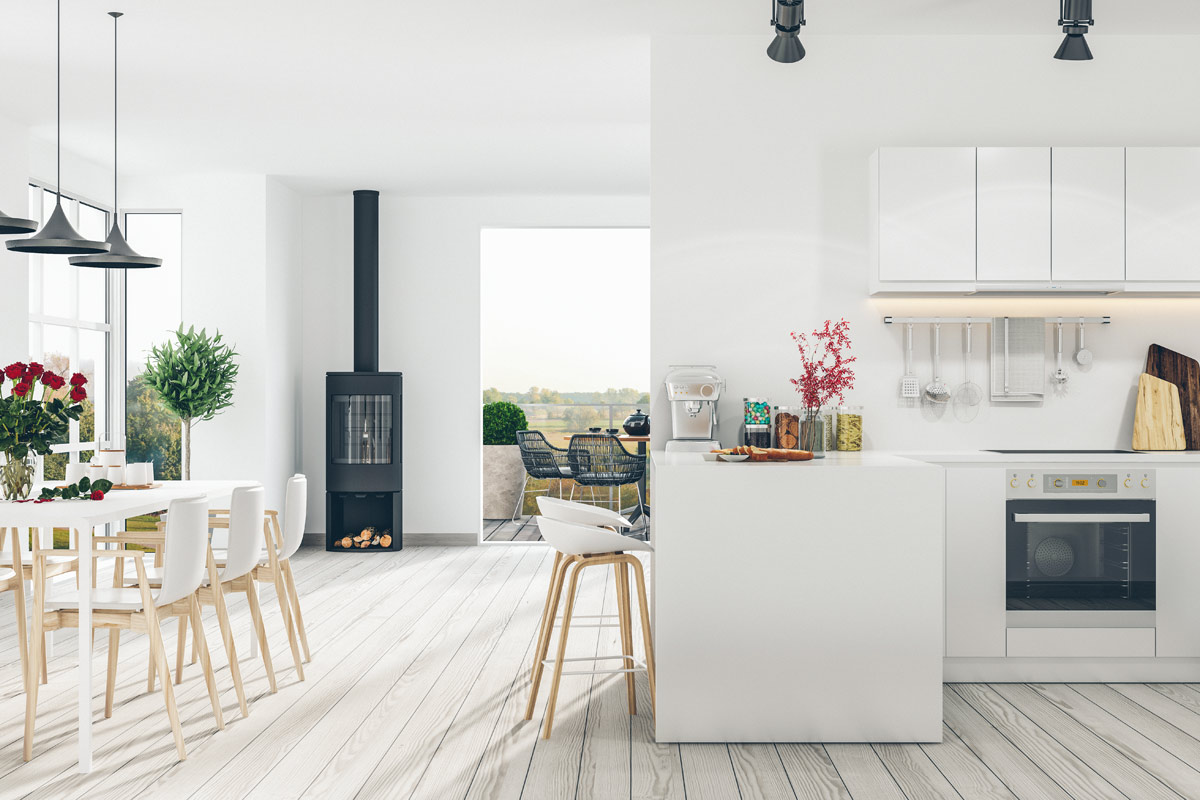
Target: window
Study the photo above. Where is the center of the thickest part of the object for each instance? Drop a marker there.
(69, 326)
(153, 300)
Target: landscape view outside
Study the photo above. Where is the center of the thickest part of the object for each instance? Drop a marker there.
(566, 308)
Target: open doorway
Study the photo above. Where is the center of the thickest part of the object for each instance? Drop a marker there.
(565, 350)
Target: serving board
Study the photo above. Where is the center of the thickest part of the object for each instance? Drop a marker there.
(135, 487)
(1158, 420)
(1184, 372)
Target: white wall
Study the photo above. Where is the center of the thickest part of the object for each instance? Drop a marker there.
(240, 235)
(14, 201)
(429, 330)
(759, 174)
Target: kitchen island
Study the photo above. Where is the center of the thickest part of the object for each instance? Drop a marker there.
(799, 601)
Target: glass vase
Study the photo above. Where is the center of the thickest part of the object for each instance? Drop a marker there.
(812, 432)
(16, 476)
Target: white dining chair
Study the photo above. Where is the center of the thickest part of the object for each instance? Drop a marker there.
(139, 609)
(585, 546)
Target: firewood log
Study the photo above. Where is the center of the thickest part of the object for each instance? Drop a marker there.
(346, 541)
(385, 540)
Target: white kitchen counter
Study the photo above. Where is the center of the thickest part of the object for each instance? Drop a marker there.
(798, 601)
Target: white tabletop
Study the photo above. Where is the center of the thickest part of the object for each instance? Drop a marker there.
(84, 515)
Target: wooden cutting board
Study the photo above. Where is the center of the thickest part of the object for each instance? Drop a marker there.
(1158, 420)
(1184, 372)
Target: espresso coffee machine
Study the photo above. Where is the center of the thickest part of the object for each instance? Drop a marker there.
(693, 392)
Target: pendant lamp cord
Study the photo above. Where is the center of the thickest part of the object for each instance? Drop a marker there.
(116, 207)
(58, 101)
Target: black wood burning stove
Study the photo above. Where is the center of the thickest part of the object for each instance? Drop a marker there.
(362, 416)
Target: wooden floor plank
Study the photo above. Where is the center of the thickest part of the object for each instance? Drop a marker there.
(760, 773)
(1132, 731)
(707, 772)
(409, 731)
(1099, 756)
(863, 773)
(1023, 777)
(1161, 706)
(811, 772)
(1181, 693)
(554, 765)
(969, 776)
(915, 773)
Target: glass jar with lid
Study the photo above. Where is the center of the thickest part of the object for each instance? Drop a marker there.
(785, 426)
(849, 428)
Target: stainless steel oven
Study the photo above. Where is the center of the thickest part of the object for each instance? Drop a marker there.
(1080, 541)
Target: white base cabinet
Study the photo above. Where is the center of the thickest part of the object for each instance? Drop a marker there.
(975, 536)
(1177, 563)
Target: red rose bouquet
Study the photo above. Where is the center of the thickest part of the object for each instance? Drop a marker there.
(32, 420)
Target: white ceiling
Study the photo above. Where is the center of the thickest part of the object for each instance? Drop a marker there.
(423, 96)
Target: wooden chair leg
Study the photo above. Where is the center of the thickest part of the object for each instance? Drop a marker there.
(645, 611)
(235, 669)
(158, 652)
(205, 660)
(622, 579)
(151, 673)
(294, 599)
(539, 657)
(558, 557)
(110, 683)
(261, 631)
(38, 643)
(181, 648)
(562, 647)
(281, 596)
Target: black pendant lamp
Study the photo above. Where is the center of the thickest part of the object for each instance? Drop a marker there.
(10, 225)
(1074, 16)
(787, 17)
(57, 237)
(121, 256)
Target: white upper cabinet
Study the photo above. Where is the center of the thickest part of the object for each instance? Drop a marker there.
(926, 214)
(1014, 214)
(1162, 214)
(1088, 214)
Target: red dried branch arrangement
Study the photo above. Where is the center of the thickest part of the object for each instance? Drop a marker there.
(825, 355)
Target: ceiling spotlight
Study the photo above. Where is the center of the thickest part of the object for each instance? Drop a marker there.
(788, 17)
(1075, 16)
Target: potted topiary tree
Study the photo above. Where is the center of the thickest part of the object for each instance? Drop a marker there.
(194, 376)
(503, 472)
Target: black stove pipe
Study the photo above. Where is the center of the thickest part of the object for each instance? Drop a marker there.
(366, 280)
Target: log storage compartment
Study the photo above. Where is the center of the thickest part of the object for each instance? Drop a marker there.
(363, 521)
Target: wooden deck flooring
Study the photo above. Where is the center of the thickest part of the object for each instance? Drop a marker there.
(417, 689)
(524, 529)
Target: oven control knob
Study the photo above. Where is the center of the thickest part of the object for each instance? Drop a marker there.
(1145, 483)
(1031, 483)
(1013, 483)
(1101, 483)
(1058, 483)
(1128, 483)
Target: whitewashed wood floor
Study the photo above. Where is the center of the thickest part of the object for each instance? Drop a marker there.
(417, 689)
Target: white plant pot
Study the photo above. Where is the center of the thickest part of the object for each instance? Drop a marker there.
(503, 475)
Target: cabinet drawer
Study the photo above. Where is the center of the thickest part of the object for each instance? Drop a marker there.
(1081, 642)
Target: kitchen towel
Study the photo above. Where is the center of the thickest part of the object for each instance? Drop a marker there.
(1018, 359)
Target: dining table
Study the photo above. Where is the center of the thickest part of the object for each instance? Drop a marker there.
(84, 516)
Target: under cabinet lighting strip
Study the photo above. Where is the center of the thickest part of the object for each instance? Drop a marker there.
(988, 320)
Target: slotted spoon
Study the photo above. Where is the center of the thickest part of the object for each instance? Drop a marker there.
(910, 387)
(935, 390)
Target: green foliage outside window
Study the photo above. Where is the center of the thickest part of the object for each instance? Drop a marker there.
(501, 421)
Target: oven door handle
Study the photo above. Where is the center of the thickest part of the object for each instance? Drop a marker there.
(1081, 517)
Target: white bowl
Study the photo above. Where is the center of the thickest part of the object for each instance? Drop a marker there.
(732, 459)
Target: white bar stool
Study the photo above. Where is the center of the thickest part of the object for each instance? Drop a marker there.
(580, 546)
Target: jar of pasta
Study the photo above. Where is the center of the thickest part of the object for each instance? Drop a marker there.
(849, 428)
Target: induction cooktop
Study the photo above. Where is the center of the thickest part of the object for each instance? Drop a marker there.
(1064, 452)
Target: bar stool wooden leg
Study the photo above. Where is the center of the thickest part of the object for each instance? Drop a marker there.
(294, 600)
(235, 669)
(181, 648)
(558, 557)
(544, 644)
(622, 587)
(562, 646)
(645, 610)
(110, 683)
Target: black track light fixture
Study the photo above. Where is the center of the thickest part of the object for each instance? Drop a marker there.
(1074, 16)
(787, 16)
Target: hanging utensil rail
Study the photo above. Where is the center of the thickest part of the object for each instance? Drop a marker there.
(988, 320)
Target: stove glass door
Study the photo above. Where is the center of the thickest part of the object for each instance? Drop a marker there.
(1080, 555)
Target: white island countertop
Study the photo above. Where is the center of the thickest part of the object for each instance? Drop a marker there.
(798, 601)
